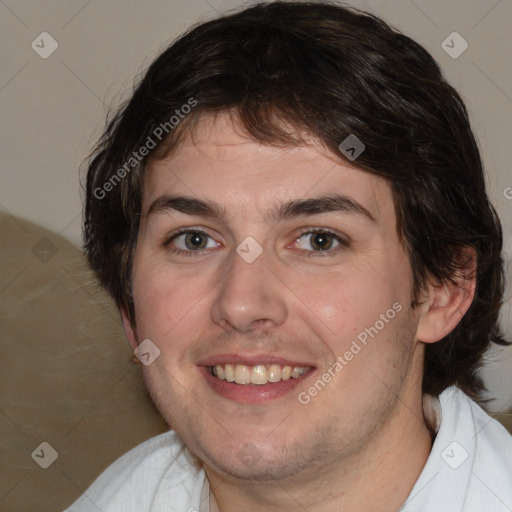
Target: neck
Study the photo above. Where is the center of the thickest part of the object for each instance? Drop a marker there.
(378, 477)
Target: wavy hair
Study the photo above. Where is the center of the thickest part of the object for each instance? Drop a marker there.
(329, 71)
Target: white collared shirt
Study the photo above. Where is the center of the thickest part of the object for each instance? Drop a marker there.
(469, 469)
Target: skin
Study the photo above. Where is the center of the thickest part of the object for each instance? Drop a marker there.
(361, 442)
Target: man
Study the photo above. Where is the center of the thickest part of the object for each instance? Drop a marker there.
(291, 215)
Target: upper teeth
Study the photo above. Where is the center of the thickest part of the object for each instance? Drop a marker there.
(259, 374)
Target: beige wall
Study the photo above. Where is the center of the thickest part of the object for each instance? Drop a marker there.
(53, 109)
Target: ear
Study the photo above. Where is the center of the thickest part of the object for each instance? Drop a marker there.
(129, 330)
(448, 302)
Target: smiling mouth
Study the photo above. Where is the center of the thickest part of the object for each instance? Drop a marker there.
(258, 374)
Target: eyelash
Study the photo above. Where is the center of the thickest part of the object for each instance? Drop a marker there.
(342, 241)
(329, 252)
(181, 232)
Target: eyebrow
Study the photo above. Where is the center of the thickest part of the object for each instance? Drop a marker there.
(289, 210)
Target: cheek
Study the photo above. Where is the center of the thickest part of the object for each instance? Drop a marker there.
(157, 301)
(169, 307)
(347, 302)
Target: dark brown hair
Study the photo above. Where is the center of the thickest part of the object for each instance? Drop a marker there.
(328, 71)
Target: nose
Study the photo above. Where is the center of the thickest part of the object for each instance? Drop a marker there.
(250, 296)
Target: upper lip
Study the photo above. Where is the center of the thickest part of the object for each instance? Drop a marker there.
(251, 360)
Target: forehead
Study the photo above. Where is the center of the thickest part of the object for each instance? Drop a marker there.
(217, 161)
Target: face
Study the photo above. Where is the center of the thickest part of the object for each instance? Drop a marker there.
(280, 268)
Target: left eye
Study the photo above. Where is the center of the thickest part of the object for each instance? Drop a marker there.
(193, 241)
(319, 241)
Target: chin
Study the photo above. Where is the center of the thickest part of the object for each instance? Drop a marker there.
(260, 469)
(280, 460)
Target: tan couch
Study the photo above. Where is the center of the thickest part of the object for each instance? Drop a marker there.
(67, 376)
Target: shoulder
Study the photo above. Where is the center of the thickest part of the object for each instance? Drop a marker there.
(156, 475)
(491, 438)
(491, 447)
(470, 465)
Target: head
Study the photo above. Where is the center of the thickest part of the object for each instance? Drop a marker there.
(248, 111)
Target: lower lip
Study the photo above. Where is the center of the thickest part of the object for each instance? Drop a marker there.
(252, 393)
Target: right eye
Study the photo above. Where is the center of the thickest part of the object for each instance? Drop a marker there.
(191, 240)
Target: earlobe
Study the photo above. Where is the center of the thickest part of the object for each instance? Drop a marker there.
(447, 303)
(129, 330)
